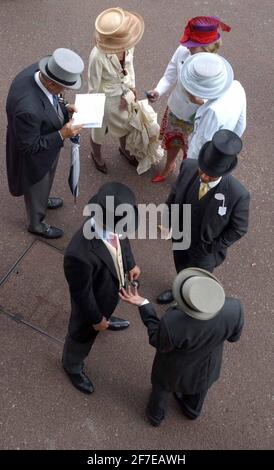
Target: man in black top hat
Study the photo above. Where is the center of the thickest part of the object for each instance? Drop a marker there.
(38, 123)
(97, 264)
(219, 205)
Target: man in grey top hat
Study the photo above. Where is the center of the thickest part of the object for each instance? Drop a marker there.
(189, 341)
(38, 124)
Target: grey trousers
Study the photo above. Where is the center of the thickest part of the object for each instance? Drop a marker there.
(36, 199)
(74, 354)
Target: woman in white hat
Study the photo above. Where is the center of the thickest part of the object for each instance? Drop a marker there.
(210, 77)
(201, 34)
(111, 71)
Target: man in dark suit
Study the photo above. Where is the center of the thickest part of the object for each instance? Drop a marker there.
(219, 205)
(38, 124)
(97, 264)
(189, 341)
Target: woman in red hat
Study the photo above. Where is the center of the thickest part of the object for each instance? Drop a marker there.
(202, 34)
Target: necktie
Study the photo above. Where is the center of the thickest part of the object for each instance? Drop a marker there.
(203, 190)
(57, 108)
(113, 240)
(55, 103)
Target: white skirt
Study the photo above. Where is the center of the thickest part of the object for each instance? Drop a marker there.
(115, 121)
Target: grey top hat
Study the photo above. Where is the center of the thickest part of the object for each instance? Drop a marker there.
(198, 293)
(206, 75)
(63, 67)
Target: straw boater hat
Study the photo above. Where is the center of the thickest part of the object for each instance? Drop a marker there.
(198, 293)
(117, 30)
(202, 31)
(63, 67)
(205, 75)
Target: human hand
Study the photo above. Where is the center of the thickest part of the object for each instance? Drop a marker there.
(70, 130)
(131, 296)
(152, 96)
(71, 109)
(103, 325)
(134, 273)
(134, 92)
(123, 104)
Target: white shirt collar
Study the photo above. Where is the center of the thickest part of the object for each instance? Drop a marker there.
(103, 233)
(212, 184)
(40, 84)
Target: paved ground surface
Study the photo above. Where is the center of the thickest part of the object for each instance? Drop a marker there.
(40, 409)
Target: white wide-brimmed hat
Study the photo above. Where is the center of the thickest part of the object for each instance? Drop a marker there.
(206, 75)
(63, 67)
(198, 293)
(117, 30)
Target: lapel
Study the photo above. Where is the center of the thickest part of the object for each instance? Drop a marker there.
(48, 107)
(115, 62)
(185, 184)
(99, 248)
(211, 210)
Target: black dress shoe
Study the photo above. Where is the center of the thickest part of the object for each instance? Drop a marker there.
(155, 421)
(166, 297)
(117, 324)
(54, 202)
(183, 409)
(49, 232)
(81, 382)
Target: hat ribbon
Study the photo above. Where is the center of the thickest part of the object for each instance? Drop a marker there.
(60, 80)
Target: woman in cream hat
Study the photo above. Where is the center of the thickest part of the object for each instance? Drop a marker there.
(201, 34)
(111, 71)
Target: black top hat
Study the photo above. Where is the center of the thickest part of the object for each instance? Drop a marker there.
(218, 157)
(121, 194)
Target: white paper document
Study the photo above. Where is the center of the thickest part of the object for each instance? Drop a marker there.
(90, 108)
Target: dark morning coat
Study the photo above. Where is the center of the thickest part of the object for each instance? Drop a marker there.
(33, 141)
(189, 351)
(217, 232)
(92, 279)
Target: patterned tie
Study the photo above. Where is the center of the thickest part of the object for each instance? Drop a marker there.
(55, 103)
(113, 240)
(57, 108)
(203, 190)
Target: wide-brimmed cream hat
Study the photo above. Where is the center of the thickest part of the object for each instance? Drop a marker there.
(198, 293)
(117, 30)
(206, 75)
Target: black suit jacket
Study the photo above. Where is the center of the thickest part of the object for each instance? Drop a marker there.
(217, 232)
(189, 351)
(92, 278)
(33, 141)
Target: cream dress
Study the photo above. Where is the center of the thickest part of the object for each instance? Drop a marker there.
(105, 75)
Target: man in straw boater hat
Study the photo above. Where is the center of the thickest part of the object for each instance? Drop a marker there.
(210, 77)
(219, 205)
(189, 341)
(111, 71)
(38, 124)
(97, 264)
